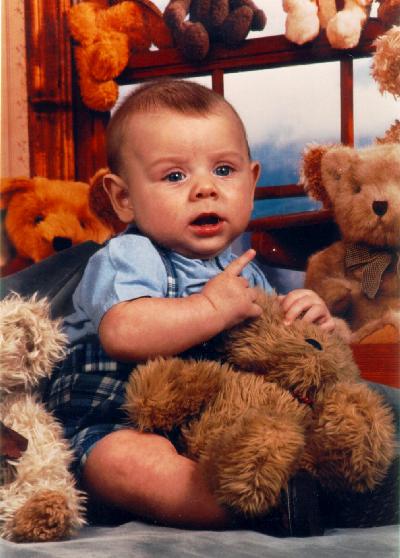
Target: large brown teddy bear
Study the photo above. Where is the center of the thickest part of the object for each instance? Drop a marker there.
(44, 216)
(221, 21)
(287, 398)
(358, 276)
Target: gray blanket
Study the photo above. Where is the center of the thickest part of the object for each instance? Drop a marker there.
(139, 540)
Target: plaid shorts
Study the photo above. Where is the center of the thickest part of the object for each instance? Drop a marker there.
(85, 393)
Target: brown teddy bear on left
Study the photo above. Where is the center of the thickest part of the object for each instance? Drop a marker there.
(44, 216)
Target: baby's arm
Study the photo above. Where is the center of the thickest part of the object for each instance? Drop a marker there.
(309, 305)
(147, 327)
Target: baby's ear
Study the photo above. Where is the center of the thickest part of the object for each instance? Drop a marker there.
(100, 202)
(118, 194)
(311, 173)
(10, 186)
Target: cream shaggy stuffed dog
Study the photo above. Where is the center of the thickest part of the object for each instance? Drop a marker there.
(288, 398)
(38, 500)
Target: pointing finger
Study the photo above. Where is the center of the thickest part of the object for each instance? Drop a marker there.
(236, 267)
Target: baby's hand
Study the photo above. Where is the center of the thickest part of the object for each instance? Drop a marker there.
(308, 305)
(230, 294)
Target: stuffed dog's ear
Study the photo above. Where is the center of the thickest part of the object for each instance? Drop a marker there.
(10, 186)
(100, 203)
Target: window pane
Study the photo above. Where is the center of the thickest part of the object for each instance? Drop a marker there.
(374, 113)
(283, 110)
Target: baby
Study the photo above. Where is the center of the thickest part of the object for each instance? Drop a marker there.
(183, 181)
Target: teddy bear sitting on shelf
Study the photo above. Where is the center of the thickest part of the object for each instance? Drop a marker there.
(223, 21)
(358, 276)
(287, 398)
(343, 27)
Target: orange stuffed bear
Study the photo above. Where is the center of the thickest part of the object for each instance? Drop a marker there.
(45, 216)
(106, 36)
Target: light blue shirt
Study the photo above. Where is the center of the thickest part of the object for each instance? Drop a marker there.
(130, 267)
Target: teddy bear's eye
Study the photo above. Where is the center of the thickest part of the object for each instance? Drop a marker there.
(82, 224)
(38, 219)
(356, 188)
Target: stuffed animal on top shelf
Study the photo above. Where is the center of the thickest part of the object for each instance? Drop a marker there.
(45, 216)
(106, 37)
(38, 498)
(287, 398)
(343, 27)
(195, 24)
(358, 276)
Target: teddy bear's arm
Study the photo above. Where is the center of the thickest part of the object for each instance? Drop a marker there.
(325, 275)
(353, 439)
(164, 392)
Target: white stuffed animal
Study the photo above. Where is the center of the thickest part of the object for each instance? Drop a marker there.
(343, 27)
(38, 498)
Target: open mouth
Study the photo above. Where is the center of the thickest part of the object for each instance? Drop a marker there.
(206, 219)
(207, 224)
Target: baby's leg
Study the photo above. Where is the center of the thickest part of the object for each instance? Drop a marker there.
(143, 474)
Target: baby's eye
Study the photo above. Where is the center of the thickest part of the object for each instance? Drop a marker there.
(223, 170)
(175, 176)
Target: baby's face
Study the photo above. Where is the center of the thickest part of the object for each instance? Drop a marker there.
(190, 180)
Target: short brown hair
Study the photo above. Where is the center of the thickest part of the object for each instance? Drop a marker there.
(186, 97)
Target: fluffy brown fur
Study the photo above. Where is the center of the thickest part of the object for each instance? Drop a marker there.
(385, 68)
(358, 183)
(44, 216)
(247, 422)
(40, 501)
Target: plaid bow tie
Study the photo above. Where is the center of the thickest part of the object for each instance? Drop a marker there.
(374, 262)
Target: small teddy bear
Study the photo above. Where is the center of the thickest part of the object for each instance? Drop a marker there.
(385, 67)
(343, 27)
(45, 216)
(221, 21)
(38, 498)
(106, 37)
(358, 276)
(286, 398)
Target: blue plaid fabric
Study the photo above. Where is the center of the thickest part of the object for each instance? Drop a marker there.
(86, 391)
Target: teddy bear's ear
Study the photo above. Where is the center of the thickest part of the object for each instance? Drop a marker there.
(100, 204)
(10, 186)
(310, 173)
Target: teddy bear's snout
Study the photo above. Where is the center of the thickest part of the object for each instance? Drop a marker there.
(380, 207)
(61, 243)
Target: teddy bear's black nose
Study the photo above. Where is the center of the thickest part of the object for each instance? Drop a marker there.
(61, 243)
(314, 343)
(380, 207)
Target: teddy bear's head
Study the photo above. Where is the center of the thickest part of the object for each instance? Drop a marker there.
(45, 216)
(362, 186)
(300, 357)
(30, 342)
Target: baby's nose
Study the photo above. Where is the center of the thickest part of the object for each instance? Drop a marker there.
(205, 189)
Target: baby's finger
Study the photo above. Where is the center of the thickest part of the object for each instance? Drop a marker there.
(236, 267)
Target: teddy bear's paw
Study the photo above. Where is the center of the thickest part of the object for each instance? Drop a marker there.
(236, 26)
(109, 56)
(251, 462)
(353, 438)
(44, 517)
(302, 23)
(194, 41)
(344, 30)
